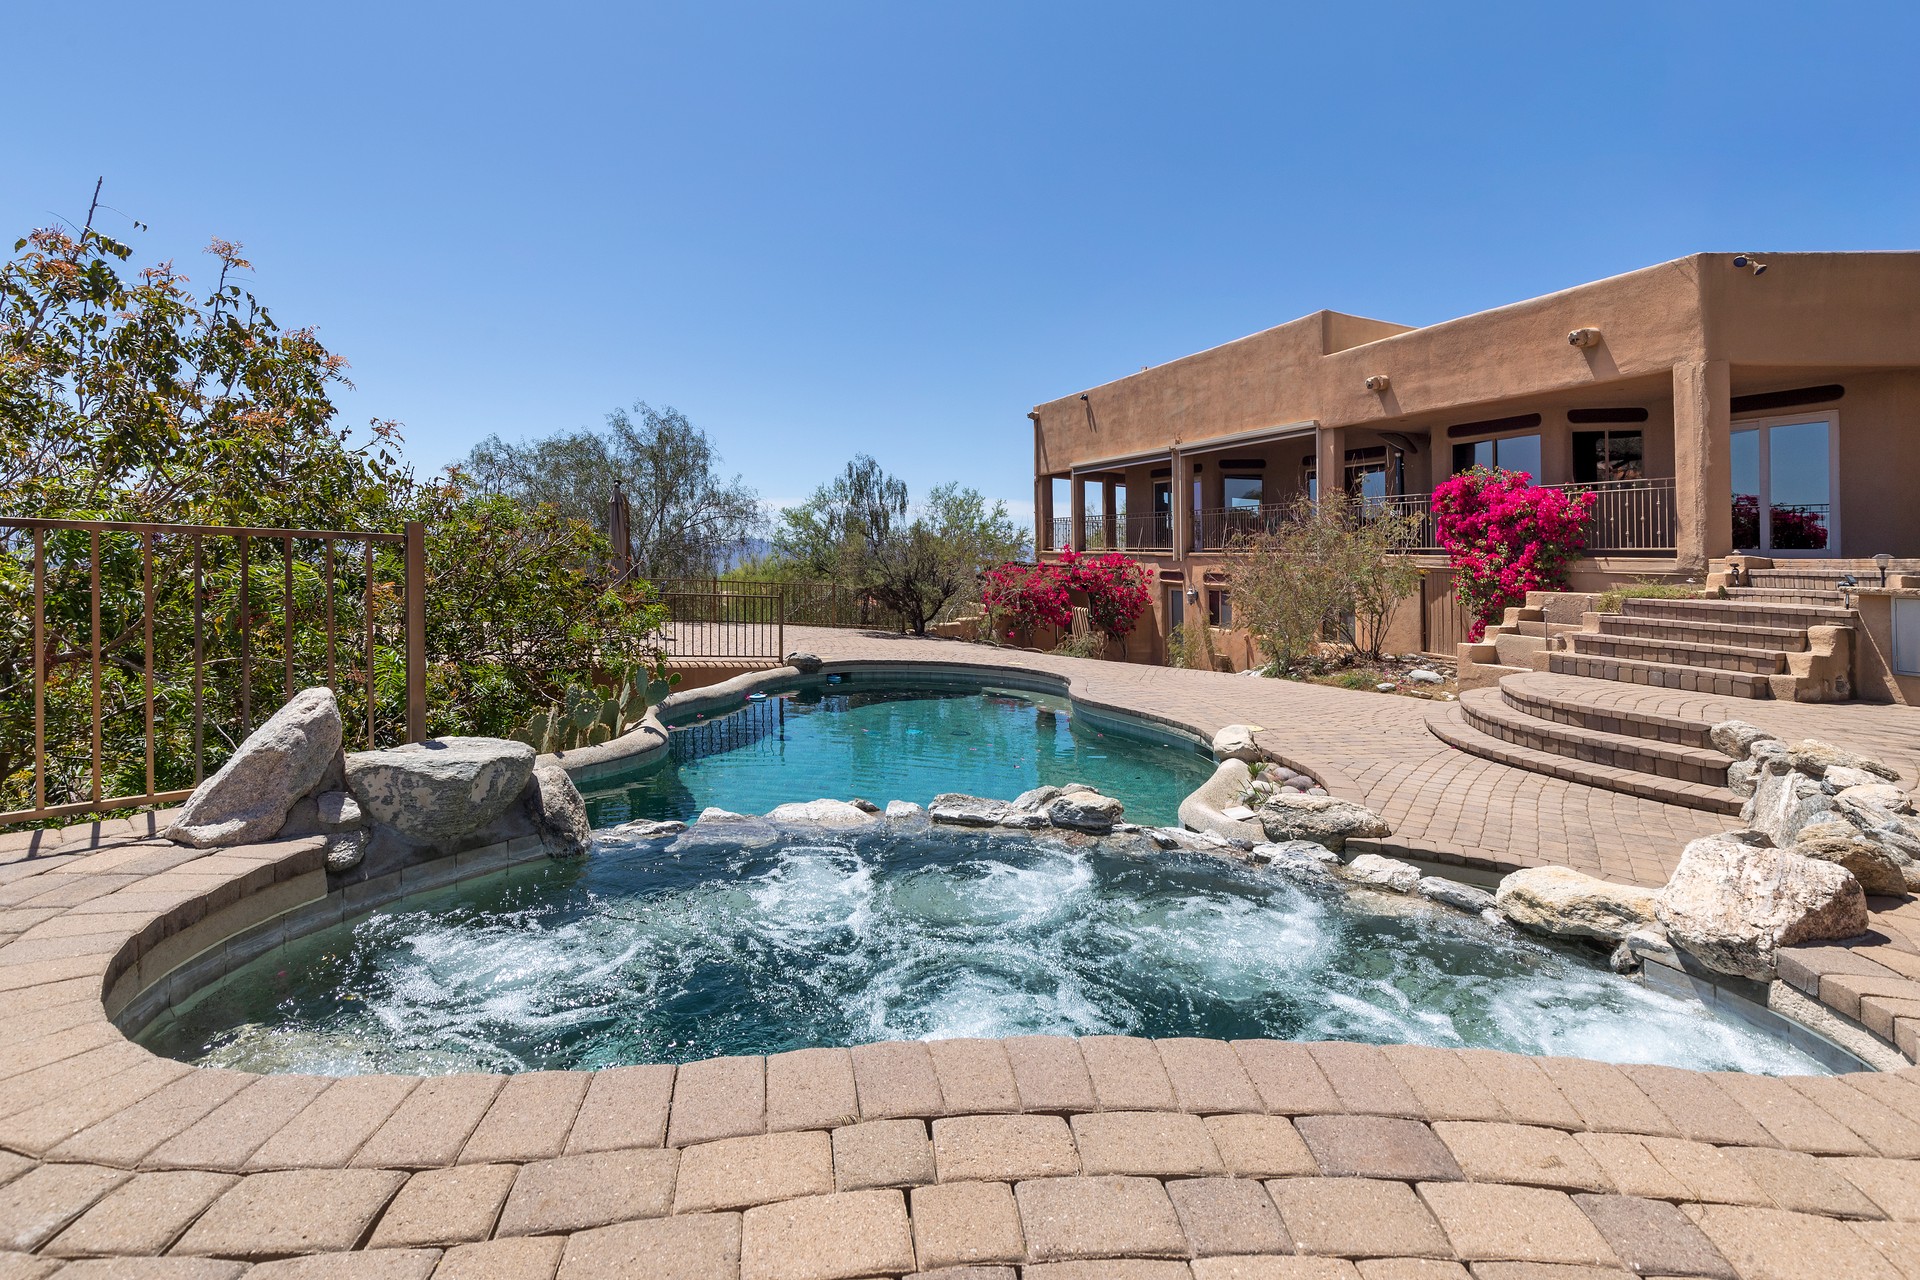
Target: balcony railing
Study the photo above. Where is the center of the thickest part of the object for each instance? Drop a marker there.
(1630, 517)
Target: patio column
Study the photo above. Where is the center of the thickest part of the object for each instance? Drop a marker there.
(1182, 484)
(1702, 463)
(1079, 497)
(1330, 462)
(1042, 515)
(1110, 513)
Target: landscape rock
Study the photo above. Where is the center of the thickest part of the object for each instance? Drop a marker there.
(1840, 778)
(969, 811)
(1085, 811)
(442, 788)
(1736, 738)
(347, 850)
(1235, 742)
(904, 809)
(559, 812)
(864, 805)
(1424, 676)
(1784, 801)
(1623, 959)
(1742, 777)
(647, 829)
(714, 813)
(1384, 873)
(1879, 870)
(1732, 903)
(824, 813)
(1813, 757)
(1037, 799)
(248, 797)
(339, 811)
(805, 663)
(1296, 851)
(1651, 943)
(1454, 894)
(1319, 818)
(1883, 817)
(1494, 917)
(1571, 904)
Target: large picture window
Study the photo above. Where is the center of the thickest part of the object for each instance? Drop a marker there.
(1509, 453)
(1600, 456)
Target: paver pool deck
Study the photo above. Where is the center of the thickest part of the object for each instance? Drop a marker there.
(1043, 1158)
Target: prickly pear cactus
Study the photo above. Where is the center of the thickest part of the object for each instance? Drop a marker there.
(587, 717)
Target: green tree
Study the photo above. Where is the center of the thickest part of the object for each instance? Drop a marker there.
(688, 520)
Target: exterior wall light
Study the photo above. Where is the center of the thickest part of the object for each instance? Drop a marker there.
(1883, 562)
(1583, 338)
(1747, 262)
(1378, 382)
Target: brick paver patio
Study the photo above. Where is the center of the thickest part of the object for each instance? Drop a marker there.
(1037, 1157)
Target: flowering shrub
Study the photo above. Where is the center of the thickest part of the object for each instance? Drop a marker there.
(1027, 596)
(1506, 536)
(1118, 594)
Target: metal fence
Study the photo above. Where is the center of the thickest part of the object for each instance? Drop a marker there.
(749, 625)
(805, 604)
(135, 657)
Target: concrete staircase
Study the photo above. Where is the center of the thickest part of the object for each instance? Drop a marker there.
(1527, 726)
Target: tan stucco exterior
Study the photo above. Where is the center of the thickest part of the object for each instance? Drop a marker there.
(1682, 343)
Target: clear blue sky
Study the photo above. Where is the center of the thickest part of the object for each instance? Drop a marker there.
(894, 227)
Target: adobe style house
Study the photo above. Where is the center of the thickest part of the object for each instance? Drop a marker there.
(1718, 404)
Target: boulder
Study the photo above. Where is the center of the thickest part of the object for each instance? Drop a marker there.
(1784, 801)
(1742, 777)
(714, 813)
(1571, 904)
(1321, 819)
(1732, 904)
(1235, 742)
(1878, 870)
(904, 809)
(969, 811)
(1736, 737)
(248, 797)
(1084, 811)
(1205, 808)
(559, 812)
(1425, 676)
(1035, 800)
(1813, 757)
(1384, 873)
(648, 829)
(347, 850)
(864, 805)
(805, 663)
(1839, 778)
(1883, 817)
(1294, 851)
(1465, 897)
(825, 813)
(442, 788)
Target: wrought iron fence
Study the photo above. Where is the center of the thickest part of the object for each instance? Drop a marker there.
(726, 623)
(135, 657)
(804, 604)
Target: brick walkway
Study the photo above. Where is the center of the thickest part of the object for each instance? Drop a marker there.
(1038, 1157)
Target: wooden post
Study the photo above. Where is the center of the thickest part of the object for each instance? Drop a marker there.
(416, 559)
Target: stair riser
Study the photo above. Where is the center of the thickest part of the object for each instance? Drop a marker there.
(1739, 613)
(1678, 631)
(1606, 720)
(1605, 646)
(1621, 757)
(1724, 684)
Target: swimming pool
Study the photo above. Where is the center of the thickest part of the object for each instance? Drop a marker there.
(744, 938)
(886, 738)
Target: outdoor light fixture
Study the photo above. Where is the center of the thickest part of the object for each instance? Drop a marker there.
(1378, 383)
(1883, 562)
(1583, 338)
(1747, 262)
(1193, 595)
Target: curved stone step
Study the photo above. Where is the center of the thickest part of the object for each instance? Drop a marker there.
(1447, 722)
(1788, 595)
(1489, 711)
(1764, 613)
(1690, 631)
(1679, 653)
(1520, 694)
(1662, 675)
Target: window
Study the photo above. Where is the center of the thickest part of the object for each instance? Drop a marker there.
(1510, 453)
(1176, 607)
(1240, 491)
(1599, 456)
(1219, 608)
(1309, 480)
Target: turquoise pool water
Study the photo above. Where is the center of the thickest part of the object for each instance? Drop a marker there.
(739, 939)
(891, 741)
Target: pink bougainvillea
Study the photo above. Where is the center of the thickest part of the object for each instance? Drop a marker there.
(1038, 595)
(1505, 536)
(1116, 588)
(1028, 596)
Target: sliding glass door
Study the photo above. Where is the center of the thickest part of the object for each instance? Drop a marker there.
(1784, 496)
